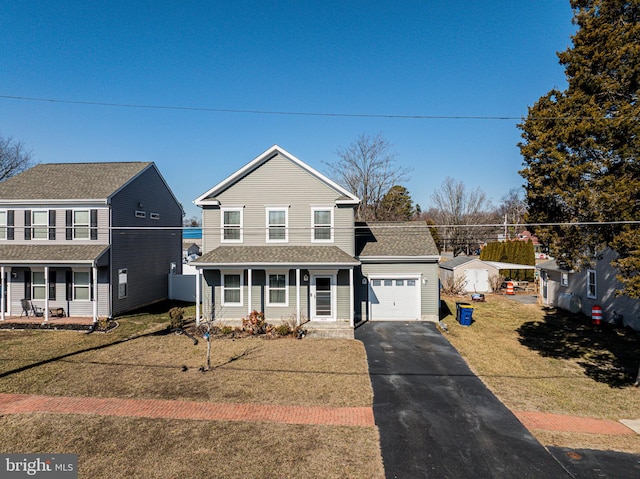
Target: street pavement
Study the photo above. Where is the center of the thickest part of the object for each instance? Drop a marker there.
(438, 420)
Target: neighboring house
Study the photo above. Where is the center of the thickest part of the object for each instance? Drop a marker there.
(190, 250)
(280, 238)
(475, 272)
(87, 238)
(584, 289)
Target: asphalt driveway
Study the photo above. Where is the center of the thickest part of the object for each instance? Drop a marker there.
(436, 418)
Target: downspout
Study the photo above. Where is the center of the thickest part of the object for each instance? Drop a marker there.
(3, 284)
(248, 292)
(298, 296)
(46, 293)
(95, 292)
(351, 298)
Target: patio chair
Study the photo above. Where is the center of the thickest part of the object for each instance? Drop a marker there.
(29, 309)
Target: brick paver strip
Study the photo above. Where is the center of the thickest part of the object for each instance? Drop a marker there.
(153, 408)
(565, 423)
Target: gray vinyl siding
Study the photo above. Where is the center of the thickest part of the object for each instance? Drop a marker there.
(606, 286)
(279, 183)
(212, 294)
(147, 254)
(16, 292)
(60, 227)
(429, 291)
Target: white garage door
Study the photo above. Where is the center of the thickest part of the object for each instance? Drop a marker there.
(394, 298)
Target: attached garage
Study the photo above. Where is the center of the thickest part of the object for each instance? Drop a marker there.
(394, 298)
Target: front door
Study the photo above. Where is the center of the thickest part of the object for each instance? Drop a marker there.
(322, 298)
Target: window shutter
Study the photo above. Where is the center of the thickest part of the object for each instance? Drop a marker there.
(10, 224)
(69, 282)
(52, 285)
(94, 224)
(27, 225)
(69, 224)
(27, 284)
(52, 224)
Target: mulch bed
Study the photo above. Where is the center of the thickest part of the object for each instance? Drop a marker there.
(49, 326)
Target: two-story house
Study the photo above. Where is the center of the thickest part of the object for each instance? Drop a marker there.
(280, 238)
(87, 239)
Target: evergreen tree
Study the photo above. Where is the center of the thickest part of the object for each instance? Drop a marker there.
(581, 145)
(396, 205)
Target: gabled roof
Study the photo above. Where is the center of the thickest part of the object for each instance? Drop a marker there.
(455, 262)
(276, 255)
(397, 240)
(345, 197)
(71, 181)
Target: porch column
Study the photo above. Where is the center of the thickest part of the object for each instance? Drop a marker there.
(248, 292)
(46, 293)
(298, 296)
(95, 294)
(198, 273)
(4, 294)
(351, 301)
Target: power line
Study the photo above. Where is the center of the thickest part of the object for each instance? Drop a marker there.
(306, 113)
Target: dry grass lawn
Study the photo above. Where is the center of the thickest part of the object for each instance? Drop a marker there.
(537, 359)
(139, 360)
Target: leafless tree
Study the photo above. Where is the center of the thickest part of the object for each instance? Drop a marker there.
(14, 158)
(461, 211)
(368, 169)
(512, 209)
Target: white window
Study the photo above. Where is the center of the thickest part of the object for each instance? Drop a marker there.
(277, 289)
(40, 224)
(122, 283)
(322, 224)
(81, 286)
(38, 286)
(564, 279)
(81, 224)
(154, 216)
(591, 284)
(231, 225)
(277, 223)
(375, 282)
(3, 225)
(232, 289)
(141, 214)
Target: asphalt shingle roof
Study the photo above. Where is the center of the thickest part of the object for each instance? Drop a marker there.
(41, 253)
(394, 239)
(304, 255)
(455, 262)
(57, 181)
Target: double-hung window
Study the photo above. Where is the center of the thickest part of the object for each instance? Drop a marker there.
(81, 224)
(322, 224)
(591, 284)
(231, 219)
(277, 219)
(277, 289)
(232, 289)
(3, 225)
(81, 286)
(40, 224)
(38, 285)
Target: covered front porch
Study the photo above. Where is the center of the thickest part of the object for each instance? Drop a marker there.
(51, 282)
(316, 294)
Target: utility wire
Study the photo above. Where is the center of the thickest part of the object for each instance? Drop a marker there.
(307, 113)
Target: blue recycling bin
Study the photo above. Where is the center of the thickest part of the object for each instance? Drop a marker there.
(464, 314)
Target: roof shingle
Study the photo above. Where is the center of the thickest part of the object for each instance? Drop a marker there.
(290, 255)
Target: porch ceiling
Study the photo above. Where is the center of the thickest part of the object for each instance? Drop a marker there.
(19, 254)
(276, 255)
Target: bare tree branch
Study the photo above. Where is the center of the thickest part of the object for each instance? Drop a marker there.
(14, 158)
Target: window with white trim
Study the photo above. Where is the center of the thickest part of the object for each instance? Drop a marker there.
(277, 289)
(322, 224)
(231, 219)
(81, 224)
(123, 289)
(591, 284)
(232, 289)
(38, 285)
(40, 224)
(277, 223)
(81, 286)
(3, 225)
(564, 279)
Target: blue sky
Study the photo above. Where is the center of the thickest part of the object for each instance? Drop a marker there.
(428, 58)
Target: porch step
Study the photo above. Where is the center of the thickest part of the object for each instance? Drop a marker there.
(333, 330)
